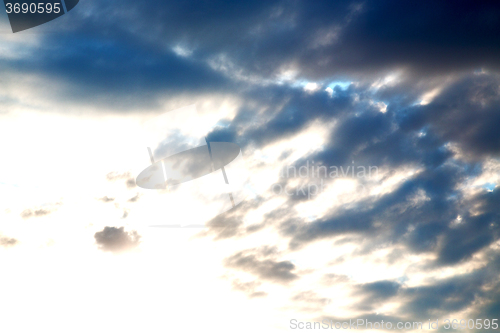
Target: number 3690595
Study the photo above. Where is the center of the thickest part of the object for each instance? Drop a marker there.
(33, 8)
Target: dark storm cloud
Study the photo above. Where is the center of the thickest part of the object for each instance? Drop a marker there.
(7, 242)
(490, 306)
(420, 213)
(370, 137)
(379, 290)
(353, 132)
(301, 109)
(287, 111)
(95, 69)
(331, 38)
(116, 240)
(395, 141)
(325, 38)
(363, 133)
(436, 298)
(121, 54)
(374, 293)
(431, 220)
(262, 263)
(449, 295)
(467, 113)
(417, 225)
(443, 37)
(474, 232)
(412, 135)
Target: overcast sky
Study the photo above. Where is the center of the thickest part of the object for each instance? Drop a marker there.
(393, 105)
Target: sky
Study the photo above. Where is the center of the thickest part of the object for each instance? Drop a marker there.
(369, 136)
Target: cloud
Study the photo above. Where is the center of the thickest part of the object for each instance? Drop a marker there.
(260, 262)
(7, 242)
(231, 47)
(230, 223)
(125, 213)
(39, 211)
(465, 113)
(446, 296)
(375, 292)
(249, 288)
(315, 40)
(130, 183)
(418, 216)
(388, 140)
(135, 198)
(474, 232)
(106, 199)
(116, 240)
(309, 301)
(127, 176)
(332, 278)
(27, 213)
(410, 88)
(113, 176)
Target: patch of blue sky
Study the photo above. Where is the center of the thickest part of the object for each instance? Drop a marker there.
(342, 84)
(489, 186)
(223, 123)
(402, 279)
